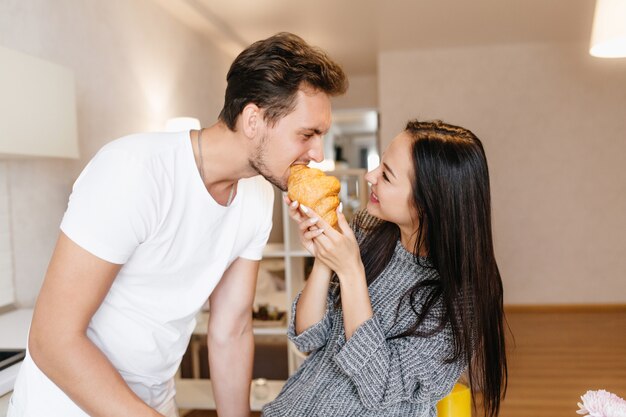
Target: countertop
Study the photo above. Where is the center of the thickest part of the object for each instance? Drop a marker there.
(14, 327)
(4, 403)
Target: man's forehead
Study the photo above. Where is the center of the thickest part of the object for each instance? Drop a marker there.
(311, 112)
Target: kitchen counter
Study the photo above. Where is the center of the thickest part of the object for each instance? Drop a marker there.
(14, 327)
(4, 403)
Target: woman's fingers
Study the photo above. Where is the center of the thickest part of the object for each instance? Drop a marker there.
(312, 234)
(346, 230)
(292, 207)
(324, 242)
(308, 224)
(320, 223)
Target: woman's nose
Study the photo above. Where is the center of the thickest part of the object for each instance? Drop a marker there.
(371, 176)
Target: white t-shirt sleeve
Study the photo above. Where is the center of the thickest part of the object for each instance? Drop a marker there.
(254, 250)
(113, 206)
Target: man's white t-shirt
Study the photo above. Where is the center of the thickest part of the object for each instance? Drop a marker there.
(141, 202)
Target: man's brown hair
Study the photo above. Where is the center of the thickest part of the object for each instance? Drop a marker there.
(270, 72)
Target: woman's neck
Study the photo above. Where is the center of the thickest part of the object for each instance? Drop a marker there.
(408, 238)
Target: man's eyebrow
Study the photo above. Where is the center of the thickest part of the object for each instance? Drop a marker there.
(389, 169)
(314, 130)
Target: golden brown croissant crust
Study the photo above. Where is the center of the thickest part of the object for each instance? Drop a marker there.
(314, 189)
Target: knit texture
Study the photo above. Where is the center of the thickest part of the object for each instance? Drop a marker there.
(371, 375)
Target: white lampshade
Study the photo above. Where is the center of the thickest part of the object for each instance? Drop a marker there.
(178, 124)
(608, 37)
(37, 107)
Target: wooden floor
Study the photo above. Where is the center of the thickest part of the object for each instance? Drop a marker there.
(555, 357)
(558, 356)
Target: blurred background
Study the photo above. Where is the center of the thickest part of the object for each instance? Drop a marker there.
(518, 73)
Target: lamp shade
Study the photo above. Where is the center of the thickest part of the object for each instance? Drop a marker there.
(608, 37)
(37, 107)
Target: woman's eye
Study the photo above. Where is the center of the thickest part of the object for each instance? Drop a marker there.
(385, 177)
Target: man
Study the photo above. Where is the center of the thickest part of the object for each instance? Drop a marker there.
(159, 222)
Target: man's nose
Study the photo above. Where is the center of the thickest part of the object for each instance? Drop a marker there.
(316, 152)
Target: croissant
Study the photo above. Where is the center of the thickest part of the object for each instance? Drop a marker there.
(314, 189)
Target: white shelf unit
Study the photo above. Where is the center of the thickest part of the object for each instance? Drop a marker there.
(294, 257)
(292, 254)
(354, 195)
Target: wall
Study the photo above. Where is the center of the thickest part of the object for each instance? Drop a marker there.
(135, 66)
(362, 93)
(552, 121)
(6, 254)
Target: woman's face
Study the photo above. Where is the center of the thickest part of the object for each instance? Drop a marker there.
(390, 199)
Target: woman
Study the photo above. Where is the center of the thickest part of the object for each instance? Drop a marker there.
(397, 306)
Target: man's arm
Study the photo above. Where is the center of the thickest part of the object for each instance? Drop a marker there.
(75, 285)
(230, 339)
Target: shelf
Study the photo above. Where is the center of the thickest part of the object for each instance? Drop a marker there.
(288, 262)
(303, 253)
(202, 322)
(197, 394)
(274, 250)
(270, 331)
(277, 250)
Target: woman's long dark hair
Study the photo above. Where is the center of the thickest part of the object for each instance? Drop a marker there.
(453, 203)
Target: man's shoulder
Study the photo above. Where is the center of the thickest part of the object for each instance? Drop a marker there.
(145, 143)
(157, 153)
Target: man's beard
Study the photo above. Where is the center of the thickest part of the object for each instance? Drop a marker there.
(257, 162)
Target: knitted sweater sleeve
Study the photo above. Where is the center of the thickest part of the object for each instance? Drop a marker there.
(315, 336)
(386, 372)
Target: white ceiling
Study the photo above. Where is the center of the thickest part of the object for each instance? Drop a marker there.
(355, 31)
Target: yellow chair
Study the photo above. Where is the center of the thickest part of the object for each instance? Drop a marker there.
(456, 404)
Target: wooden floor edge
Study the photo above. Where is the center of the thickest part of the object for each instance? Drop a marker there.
(564, 308)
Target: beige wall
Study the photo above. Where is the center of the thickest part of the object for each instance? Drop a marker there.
(553, 121)
(135, 66)
(551, 118)
(362, 93)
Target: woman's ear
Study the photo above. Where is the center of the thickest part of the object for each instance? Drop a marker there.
(251, 120)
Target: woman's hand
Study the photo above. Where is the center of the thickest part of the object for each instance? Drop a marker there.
(339, 250)
(306, 225)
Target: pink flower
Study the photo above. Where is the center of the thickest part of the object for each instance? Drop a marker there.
(602, 404)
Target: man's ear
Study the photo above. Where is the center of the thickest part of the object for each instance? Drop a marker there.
(251, 120)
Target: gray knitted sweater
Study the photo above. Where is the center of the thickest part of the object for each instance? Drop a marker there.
(369, 375)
